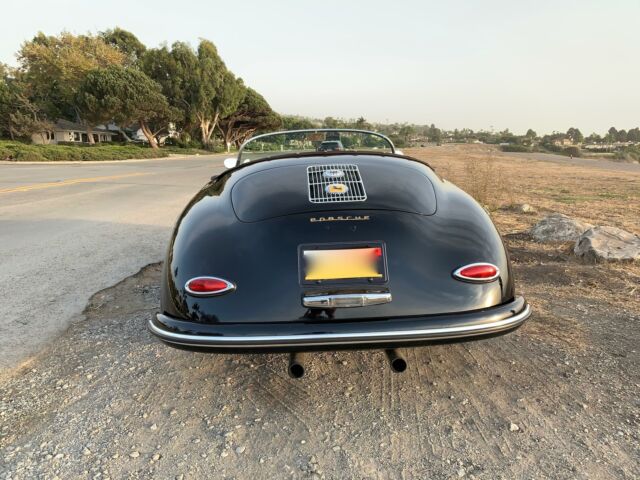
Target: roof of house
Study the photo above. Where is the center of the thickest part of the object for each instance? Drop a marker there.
(62, 124)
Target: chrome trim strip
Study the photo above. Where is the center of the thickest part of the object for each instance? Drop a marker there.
(266, 341)
(230, 286)
(457, 276)
(346, 300)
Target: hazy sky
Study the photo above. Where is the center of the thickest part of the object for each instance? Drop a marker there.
(545, 65)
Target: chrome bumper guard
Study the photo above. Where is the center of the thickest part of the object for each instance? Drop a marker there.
(346, 300)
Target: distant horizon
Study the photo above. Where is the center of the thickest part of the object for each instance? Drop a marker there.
(494, 130)
(487, 66)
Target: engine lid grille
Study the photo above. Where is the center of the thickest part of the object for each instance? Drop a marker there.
(335, 184)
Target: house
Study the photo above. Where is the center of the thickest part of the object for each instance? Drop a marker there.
(70, 132)
(563, 142)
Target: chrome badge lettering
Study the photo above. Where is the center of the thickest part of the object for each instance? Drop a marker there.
(341, 218)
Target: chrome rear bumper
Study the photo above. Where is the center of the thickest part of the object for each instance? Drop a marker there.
(368, 334)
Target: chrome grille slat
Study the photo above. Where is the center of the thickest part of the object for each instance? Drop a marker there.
(318, 184)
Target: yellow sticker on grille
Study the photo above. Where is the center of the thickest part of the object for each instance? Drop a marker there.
(337, 188)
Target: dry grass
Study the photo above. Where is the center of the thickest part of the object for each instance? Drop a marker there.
(600, 197)
(596, 196)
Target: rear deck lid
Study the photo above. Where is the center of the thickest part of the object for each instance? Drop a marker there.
(332, 186)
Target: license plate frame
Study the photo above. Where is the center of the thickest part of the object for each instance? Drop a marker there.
(381, 265)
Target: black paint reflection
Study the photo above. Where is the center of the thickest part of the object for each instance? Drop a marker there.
(261, 257)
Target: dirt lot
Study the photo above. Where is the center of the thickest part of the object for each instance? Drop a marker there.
(559, 398)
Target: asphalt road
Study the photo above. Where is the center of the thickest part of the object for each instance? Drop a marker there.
(580, 162)
(70, 230)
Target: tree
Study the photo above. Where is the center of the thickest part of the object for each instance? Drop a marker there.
(330, 122)
(54, 67)
(293, 122)
(611, 135)
(97, 99)
(175, 71)
(507, 137)
(531, 134)
(127, 96)
(210, 80)
(621, 136)
(362, 124)
(434, 134)
(20, 117)
(253, 115)
(126, 42)
(228, 101)
(633, 135)
(593, 138)
(575, 135)
(406, 131)
(193, 81)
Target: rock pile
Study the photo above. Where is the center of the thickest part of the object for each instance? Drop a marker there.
(591, 243)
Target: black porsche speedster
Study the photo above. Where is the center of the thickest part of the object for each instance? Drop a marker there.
(297, 248)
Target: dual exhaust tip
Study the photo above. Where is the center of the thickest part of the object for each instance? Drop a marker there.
(297, 369)
(296, 365)
(396, 361)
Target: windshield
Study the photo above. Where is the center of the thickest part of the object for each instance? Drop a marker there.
(307, 141)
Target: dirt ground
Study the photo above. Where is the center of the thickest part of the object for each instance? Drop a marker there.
(559, 398)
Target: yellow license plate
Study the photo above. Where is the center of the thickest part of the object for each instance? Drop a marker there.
(343, 263)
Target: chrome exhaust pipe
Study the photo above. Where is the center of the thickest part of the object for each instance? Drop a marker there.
(397, 363)
(296, 366)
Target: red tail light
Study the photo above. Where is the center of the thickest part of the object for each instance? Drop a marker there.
(208, 286)
(477, 273)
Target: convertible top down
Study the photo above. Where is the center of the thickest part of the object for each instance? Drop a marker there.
(296, 248)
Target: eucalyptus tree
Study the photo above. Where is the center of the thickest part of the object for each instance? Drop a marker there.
(295, 122)
(53, 67)
(194, 82)
(126, 42)
(20, 117)
(253, 115)
(229, 100)
(575, 135)
(126, 96)
(211, 80)
(175, 70)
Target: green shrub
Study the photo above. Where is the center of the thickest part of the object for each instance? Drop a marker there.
(30, 156)
(183, 143)
(24, 152)
(572, 152)
(515, 148)
(551, 148)
(628, 154)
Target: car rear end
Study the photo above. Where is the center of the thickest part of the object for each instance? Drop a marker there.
(347, 252)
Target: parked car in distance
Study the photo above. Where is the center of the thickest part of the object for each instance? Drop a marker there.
(330, 146)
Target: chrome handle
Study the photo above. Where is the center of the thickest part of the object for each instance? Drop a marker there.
(346, 300)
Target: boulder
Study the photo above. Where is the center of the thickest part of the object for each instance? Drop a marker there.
(520, 208)
(608, 243)
(558, 228)
(524, 208)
